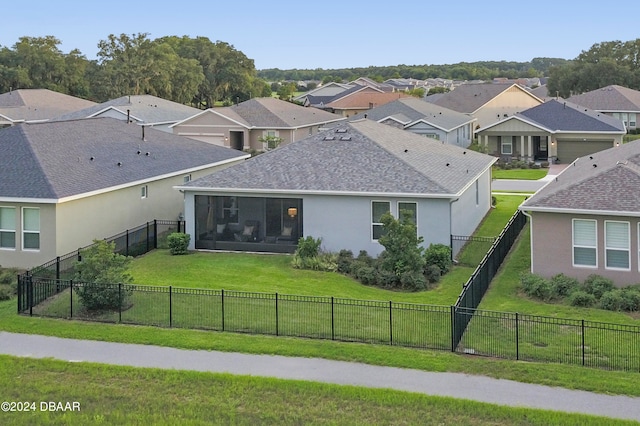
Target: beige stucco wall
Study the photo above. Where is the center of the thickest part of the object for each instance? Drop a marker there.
(508, 102)
(552, 249)
(19, 258)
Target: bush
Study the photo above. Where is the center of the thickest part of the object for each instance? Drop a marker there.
(494, 200)
(535, 286)
(101, 296)
(439, 255)
(535, 166)
(366, 274)
(308, 247)
(582, 299)
(413, 280)
(544, 164)
(326, 262)
(612, 300)
(344, 261)
(5, 292)
(562, 285)
(432, 273)
(403, 251)
(178, 243)
(363, 257)
(387, 279)
(597, 285)
(630, 299)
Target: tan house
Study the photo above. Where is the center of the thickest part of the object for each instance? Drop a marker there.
(488, 102)
(361, 101)
(587, 220)
(37, 105)
(247, 124)
(65, 183)
(555, 131)
(617, 101)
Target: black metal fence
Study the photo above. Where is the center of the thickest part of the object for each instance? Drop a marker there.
(497, 334)
(477, 285)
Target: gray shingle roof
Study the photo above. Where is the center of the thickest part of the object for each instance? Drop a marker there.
(363, 157)
(605, 181)
(52, 160)
(416, 109)
(560, 116)
(38, 104)
(468, 98)
(150, 109)
(610, 98)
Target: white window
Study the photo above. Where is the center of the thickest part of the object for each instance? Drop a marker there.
(144, 191)
(409, 212)
(30, 228)
(617, 245)
(506, 145)
(585, 240)
(378, 208)
(632, 119)
(186, 179)
(7, 228)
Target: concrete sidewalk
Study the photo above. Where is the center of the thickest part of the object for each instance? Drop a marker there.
(477, 388)
(498, 185)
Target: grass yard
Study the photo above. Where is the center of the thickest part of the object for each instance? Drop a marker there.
(124, 395)
(525, 174)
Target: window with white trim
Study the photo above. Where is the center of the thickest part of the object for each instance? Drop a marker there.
(506, 145)
(585, 240)
(7, 227)
(378, 208)
(186, 179)
(30, 228)
(617, 245)
(144, 191)
(408, 211)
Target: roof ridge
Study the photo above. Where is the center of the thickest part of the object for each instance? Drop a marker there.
(36, 158)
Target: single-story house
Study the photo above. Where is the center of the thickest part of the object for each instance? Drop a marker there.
(149, 110)
(426, 119)
(587, 220)
(36, 105)
(245, 125)
(617, 101)
(65, 183)
(335, 185)
(487, 102)
(360, 101)
(555, 130)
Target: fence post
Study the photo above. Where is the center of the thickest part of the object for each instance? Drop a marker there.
(277, 330)
(170, 309)
(57, 267)
(583, 343)
(30, 289)
(155, 233)
(70, 298)
(390, 324)
(517, 340)
(453, 329)
(120, 297)
(20, 298)
(147, 237)
(222, 302)
(126, 243)
(333, 333)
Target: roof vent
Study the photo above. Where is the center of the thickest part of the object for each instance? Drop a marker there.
(448, 164)
(119, 164)
(595, 165)
(406, 150)
(147, 154)
(345, 138)
(92, 158)
(343, 130)
(329, 138)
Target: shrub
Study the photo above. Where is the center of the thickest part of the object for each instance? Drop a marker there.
(544, 164)
(535, 286)
(439, 255)
(582, 299)
(326, 262)
(344, 261)
(597, 285)
(535, 166)
(5, 292)
(562, 285)
(413, 280)
(387, 279)
(432, 273)
(178, 243)
(364, 257)
(366, 274)
(494, 200)
(612, 300)
(630, 299)
(403, 252)
(308, 247)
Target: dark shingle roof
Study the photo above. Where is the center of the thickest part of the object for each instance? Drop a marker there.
(358, 157)
(610, 98)
(560, 116)
(605, 181)
(53, 160)
(38, 104)
(468, 98)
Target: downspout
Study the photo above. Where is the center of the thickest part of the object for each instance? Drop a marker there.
(451, 227)
(530, 237)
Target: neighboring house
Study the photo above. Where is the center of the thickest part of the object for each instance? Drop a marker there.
(36, 105)
(426, 119)
(587, 220)
(327, 91)
(321, 101)
(335, 186)
(141, 109)
(367, 82)
(360, 101)
(487, 102)
(65, 183)
(617, 101)
(555, 130)
(245, 125)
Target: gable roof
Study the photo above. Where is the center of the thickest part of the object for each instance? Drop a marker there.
(468, 98)
(564, 117)
(56, 160)
(606, 182)
(146, 109)
(365, 100)
(38, 104)
(357, 158)
(609, 99)
(410, 110)
(272, 113)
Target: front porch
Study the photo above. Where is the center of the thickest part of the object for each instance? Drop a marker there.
(529, 148)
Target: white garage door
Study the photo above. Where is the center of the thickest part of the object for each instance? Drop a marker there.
(570, 150)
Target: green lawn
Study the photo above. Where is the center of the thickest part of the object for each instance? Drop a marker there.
(526, 174)
(124, 395)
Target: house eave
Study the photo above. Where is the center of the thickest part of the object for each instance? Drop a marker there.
(313, 192)
(541, 209)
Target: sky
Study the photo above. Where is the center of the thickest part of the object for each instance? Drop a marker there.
(334, 34)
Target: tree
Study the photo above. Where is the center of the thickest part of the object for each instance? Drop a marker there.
(101, 271)
(286, 91)
(403, 252)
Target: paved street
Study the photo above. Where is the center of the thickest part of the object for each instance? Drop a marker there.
(478, 388)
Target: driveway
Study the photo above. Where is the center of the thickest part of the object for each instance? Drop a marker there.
(456, 385)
